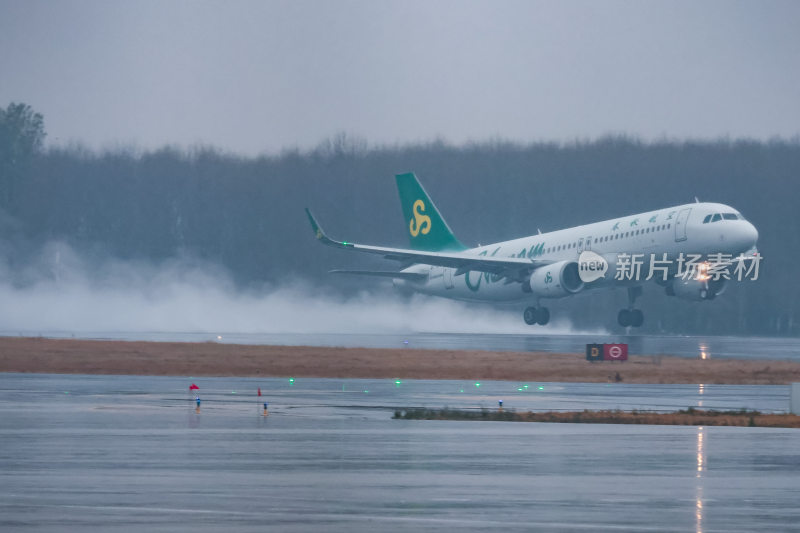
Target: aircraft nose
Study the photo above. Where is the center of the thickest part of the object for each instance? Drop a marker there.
(750, 233)
(746, 235)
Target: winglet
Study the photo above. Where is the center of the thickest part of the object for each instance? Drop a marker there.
(324, 239)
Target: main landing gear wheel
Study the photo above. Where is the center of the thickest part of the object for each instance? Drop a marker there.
(630, 317)
(536, 315)
(529, 315)
(543, 316)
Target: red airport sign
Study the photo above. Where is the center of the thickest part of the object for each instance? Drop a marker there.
(606, 352)
(615, 352)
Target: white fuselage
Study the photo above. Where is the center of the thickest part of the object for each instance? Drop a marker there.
(698, 228)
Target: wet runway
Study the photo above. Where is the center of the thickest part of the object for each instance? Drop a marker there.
(124, 453)
(786, 348)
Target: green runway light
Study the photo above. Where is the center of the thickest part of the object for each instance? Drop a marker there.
(397, 382)
(525, 387)
(462, 390)
(291, 381)
(520, 389)
(477, 384)
(541, 388)
(366, 392)
(233, 392)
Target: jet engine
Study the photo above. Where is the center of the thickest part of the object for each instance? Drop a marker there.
(696, 290)
(556, 280)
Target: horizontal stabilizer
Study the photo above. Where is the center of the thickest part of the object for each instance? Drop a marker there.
(410, 276)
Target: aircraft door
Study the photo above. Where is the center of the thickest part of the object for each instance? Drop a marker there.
(580, 245)
(680, 224)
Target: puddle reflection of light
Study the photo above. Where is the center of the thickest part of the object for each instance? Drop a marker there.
(701, 466)
(700, 391)
(698, 512)
(701, 452)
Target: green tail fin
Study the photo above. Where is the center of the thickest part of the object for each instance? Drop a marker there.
(426, 228)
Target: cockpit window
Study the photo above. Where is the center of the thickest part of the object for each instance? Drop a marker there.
(730, 216)
(707, 219)
(717, 217)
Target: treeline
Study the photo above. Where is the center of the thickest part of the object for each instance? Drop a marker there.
(246, 213)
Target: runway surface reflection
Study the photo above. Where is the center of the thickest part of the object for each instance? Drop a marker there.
(123, 453)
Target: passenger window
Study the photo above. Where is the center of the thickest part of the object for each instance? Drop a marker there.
(717, 217)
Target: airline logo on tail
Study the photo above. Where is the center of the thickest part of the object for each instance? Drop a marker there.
(427, 230)
(420, 223)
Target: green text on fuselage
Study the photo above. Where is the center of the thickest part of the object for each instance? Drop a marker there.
(474, 283)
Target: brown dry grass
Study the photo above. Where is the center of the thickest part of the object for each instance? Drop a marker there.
(689, 417)
(69, 356)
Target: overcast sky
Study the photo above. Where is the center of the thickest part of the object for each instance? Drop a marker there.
(261, 76)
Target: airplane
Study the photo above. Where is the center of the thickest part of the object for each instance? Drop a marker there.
(565, 262)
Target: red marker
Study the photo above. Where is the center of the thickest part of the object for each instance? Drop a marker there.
(194, 387)
(259, 391)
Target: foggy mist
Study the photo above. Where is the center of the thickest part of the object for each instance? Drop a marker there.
(59, 293)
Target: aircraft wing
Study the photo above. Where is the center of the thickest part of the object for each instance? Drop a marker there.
(409, 276)
(514, 268)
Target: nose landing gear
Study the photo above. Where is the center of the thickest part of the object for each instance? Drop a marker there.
(631, 317)
(536, 315)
